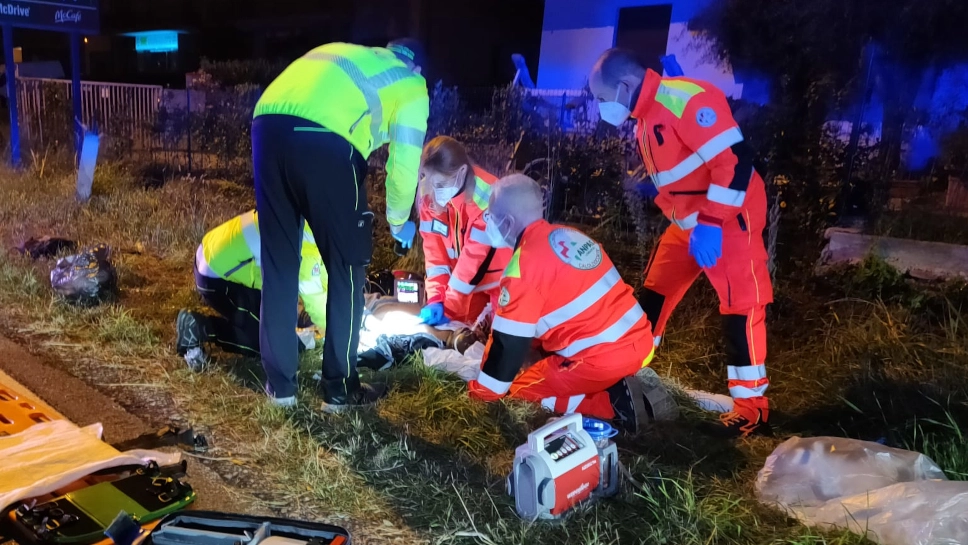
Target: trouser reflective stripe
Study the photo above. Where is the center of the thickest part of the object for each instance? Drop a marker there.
(568, 404)
(250, 232)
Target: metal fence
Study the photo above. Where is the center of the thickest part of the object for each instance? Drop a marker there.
(123, 111)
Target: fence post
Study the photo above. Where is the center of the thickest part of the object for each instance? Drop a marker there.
(12, 95)
(188, 117)
(76, 94)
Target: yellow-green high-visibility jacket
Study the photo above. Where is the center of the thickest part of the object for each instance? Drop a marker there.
(231, 252)
(369, 97)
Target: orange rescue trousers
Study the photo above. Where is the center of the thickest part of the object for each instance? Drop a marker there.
(568, 386)
(742, 281)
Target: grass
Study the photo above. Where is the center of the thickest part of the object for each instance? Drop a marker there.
(860, 354)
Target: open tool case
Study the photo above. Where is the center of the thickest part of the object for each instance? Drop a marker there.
(209, 528)
(81, 516)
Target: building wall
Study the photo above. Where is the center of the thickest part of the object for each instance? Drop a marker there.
(576, 32)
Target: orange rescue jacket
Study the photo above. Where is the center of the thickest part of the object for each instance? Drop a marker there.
(561, 289)
(694, 151)
(459, 259)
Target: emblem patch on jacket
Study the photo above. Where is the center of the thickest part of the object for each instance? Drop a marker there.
(706, 117)
(505, 297)
(316, 269)
(575, 248)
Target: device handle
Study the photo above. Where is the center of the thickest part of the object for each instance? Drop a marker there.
(536, 439)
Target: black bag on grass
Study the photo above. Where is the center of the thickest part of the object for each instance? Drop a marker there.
(86, 278)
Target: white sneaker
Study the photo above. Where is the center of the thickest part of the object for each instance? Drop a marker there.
(283, 401)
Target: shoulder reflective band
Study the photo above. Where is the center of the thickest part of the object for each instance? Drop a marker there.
(369, 86)
(482, 193)
(250, 232)
(707, 152)
(674, 95)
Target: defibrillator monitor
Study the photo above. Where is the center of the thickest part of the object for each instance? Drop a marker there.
(408, 291)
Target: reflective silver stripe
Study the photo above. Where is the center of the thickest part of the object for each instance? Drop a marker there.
(401, 134)
(483, 194)
(493, 384)
(487, 287)
(369, 87)
(437, 271)
(573, 403)
(581, 303)
(308, 236)
(426, 227)
(742, 392)
(250, 232)
(511, 327)
(687, 222)
(451, 253)
(479, 236)
(202, 265)
(656, 340)
(725, 195)
(720, 143)
(549, 403)
(310, 287)
(752, 372)
(707, 152)
(460, 286)
(613, 333)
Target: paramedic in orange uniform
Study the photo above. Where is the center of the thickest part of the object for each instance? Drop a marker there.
(463, 269)
(563, 291)
(701, 175)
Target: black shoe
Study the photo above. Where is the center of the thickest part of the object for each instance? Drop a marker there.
(659, 403)
(629, 405)
(733, 425)
(364, 396)
(190, 331)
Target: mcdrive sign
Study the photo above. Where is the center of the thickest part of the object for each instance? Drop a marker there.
(57, 15)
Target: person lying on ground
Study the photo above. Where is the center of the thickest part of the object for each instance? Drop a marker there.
(561, 290)
(229, 279)
(463, 269)
(700, 173)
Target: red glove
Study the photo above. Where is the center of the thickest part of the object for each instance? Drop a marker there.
(480, 393)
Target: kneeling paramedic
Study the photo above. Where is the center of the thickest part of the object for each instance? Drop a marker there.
(701, 175)
(229, 279)
(561, 290)
(463, 269)
(312, 132)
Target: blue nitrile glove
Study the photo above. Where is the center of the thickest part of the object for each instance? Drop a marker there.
(405, 235)
(706, 244)
(433, 314)
(647, 189)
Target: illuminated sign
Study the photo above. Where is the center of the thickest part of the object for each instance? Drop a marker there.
(58, 15)
(155, 41)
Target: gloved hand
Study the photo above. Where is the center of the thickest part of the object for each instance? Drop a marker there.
(433, 314)
(404, 234)
(647, 189)
(706, 244)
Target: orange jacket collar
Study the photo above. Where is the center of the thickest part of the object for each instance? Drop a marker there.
(650, 86)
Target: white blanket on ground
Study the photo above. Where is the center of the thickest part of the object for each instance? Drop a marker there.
(48, 456)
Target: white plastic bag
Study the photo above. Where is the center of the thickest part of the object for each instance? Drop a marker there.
(47, 456)
(466, 366)
(897, 496)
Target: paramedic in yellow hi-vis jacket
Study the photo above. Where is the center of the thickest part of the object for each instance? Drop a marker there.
(313, 130)
(228, 278)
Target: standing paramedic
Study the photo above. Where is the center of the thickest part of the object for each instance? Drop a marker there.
(313, 130)
(463, 269)
(701, 175)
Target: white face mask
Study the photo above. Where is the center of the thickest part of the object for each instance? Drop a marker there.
(614, 112)
(443, 195)
(492, 228)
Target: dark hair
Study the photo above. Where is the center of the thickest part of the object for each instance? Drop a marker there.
(616, 63)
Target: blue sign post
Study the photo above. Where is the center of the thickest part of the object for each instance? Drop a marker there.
(75, 17)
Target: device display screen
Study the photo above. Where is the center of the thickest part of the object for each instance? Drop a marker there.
(408, 291)
(562, 446)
